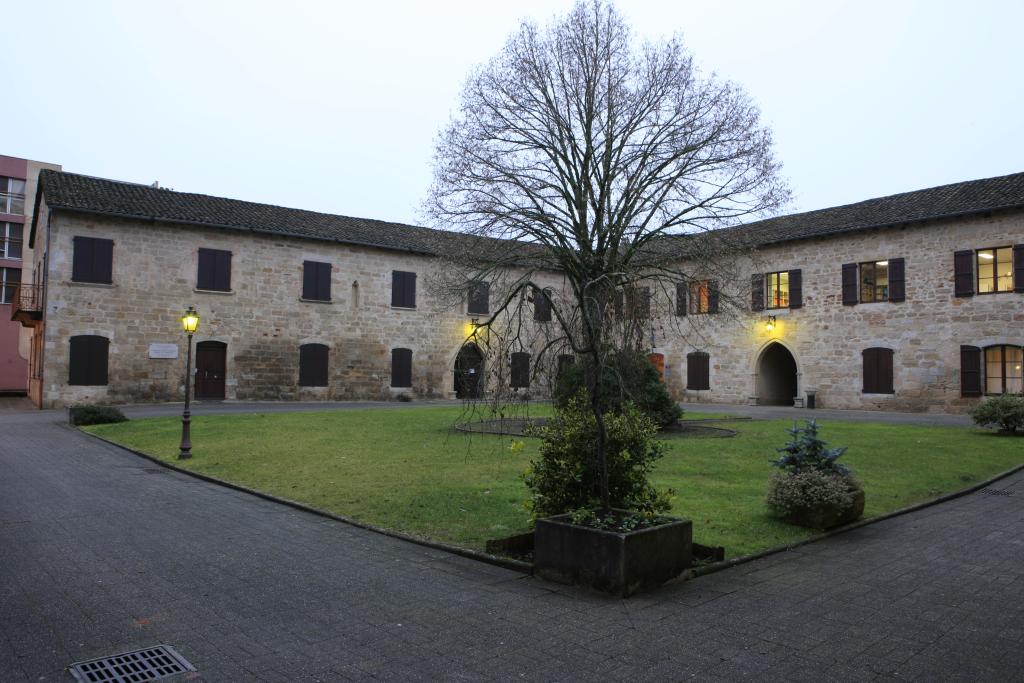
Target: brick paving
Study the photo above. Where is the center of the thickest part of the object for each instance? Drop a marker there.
(101, 551)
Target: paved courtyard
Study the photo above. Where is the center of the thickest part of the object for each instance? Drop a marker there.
(101, 551)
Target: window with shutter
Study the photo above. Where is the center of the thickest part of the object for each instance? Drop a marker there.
(970, 371)
(995, 270)
(316, 281)
(565, 361)
(1018, 268)
(681, 298)
(796, 288)
(778, 289)
(401, 368)
(713, 296)
(878, 371)
(698, 371)
(87, 360)
(1003, 369)
(757, 292)
(92, 260)
(214, 272)
(850, 284)
(700, 297)
(897, 280)
(313, 365)
(403, 289)
(479, 299)
(541, 305)
(638, 303)
(963, 273)
(520, 362)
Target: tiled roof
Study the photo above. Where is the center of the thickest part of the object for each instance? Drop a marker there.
(945, 201)
(74, 192)
(97, 195)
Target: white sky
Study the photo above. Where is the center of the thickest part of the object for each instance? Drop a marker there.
(334, 106)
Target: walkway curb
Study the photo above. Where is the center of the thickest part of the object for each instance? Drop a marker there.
(743, 559)
(504, 562)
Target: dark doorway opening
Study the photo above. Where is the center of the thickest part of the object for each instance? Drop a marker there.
(211, 365)
(469, 367)
(776, 376)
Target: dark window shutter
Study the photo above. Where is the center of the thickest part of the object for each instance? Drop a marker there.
(479, 297)
(403, 289)
(87, 360)
(313, 365)
(93, 260)
(963, 273)
(207, 265)
(564, 362)
(401, 368)
(698, 371)
(316, 281)
(520, 362)
(309, 272)
(850, 295)
(796, 288)
(681, 298)
(712, 296)
(897, 280)
(878, 371)
(223, 280)
(970, 371)
(1018, 268)
(541, 305)
(757, 292)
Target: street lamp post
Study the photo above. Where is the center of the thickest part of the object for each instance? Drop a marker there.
(190, 323)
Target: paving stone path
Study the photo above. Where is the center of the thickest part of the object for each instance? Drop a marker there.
(101, 552)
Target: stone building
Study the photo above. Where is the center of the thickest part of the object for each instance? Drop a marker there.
(910, 302)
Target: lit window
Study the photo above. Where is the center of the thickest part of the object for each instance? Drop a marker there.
(12, 195)
(995, 270)
(700, 297)
(874, 281)
(778, 289)
(1003, 370)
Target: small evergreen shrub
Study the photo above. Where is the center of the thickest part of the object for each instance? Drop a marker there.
(1007, 411)
(87, 414)
(794, 492)
(628, 377)
(808, 452)
(567, 475)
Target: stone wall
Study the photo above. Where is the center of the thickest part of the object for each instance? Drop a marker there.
(262, 320)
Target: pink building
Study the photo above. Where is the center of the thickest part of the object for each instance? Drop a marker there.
(18, 178)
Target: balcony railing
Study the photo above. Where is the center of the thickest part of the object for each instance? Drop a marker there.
(27, 304)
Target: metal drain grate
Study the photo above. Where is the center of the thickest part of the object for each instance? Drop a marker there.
(132, 667)
(996, 492)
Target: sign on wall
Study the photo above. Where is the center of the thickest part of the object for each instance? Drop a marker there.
(163, 350)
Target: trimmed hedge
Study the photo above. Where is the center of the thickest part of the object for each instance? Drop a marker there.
(95, 415)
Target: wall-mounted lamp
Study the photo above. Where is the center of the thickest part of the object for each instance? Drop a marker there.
(769, 325)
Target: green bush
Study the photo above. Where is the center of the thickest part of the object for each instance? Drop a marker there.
(628, 377)
(807, 452)
(1007, 411)
(793, 492)
(567, 475)
(95, 415)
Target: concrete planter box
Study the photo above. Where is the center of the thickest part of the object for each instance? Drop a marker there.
(619, 563)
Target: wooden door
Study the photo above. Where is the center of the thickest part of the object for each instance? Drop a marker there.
(211, 364)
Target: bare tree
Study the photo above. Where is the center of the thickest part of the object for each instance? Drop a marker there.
(608, 162)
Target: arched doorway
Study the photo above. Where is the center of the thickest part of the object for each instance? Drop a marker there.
(469, 370)
(776, 376)
(211, 369)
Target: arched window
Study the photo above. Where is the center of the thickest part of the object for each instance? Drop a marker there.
(313, 365)
(401, 368)
(1003, 369)
(877, 371)
(87, 360)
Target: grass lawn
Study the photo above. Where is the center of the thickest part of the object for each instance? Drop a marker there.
(405, 468)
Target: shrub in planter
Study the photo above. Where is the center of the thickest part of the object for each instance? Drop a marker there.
(1007, 411)
(629, 377)
(566, 476)
(813, 490)
(95, 415)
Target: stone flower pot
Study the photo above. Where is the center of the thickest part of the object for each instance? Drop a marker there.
(828, 516)
(621, 563)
